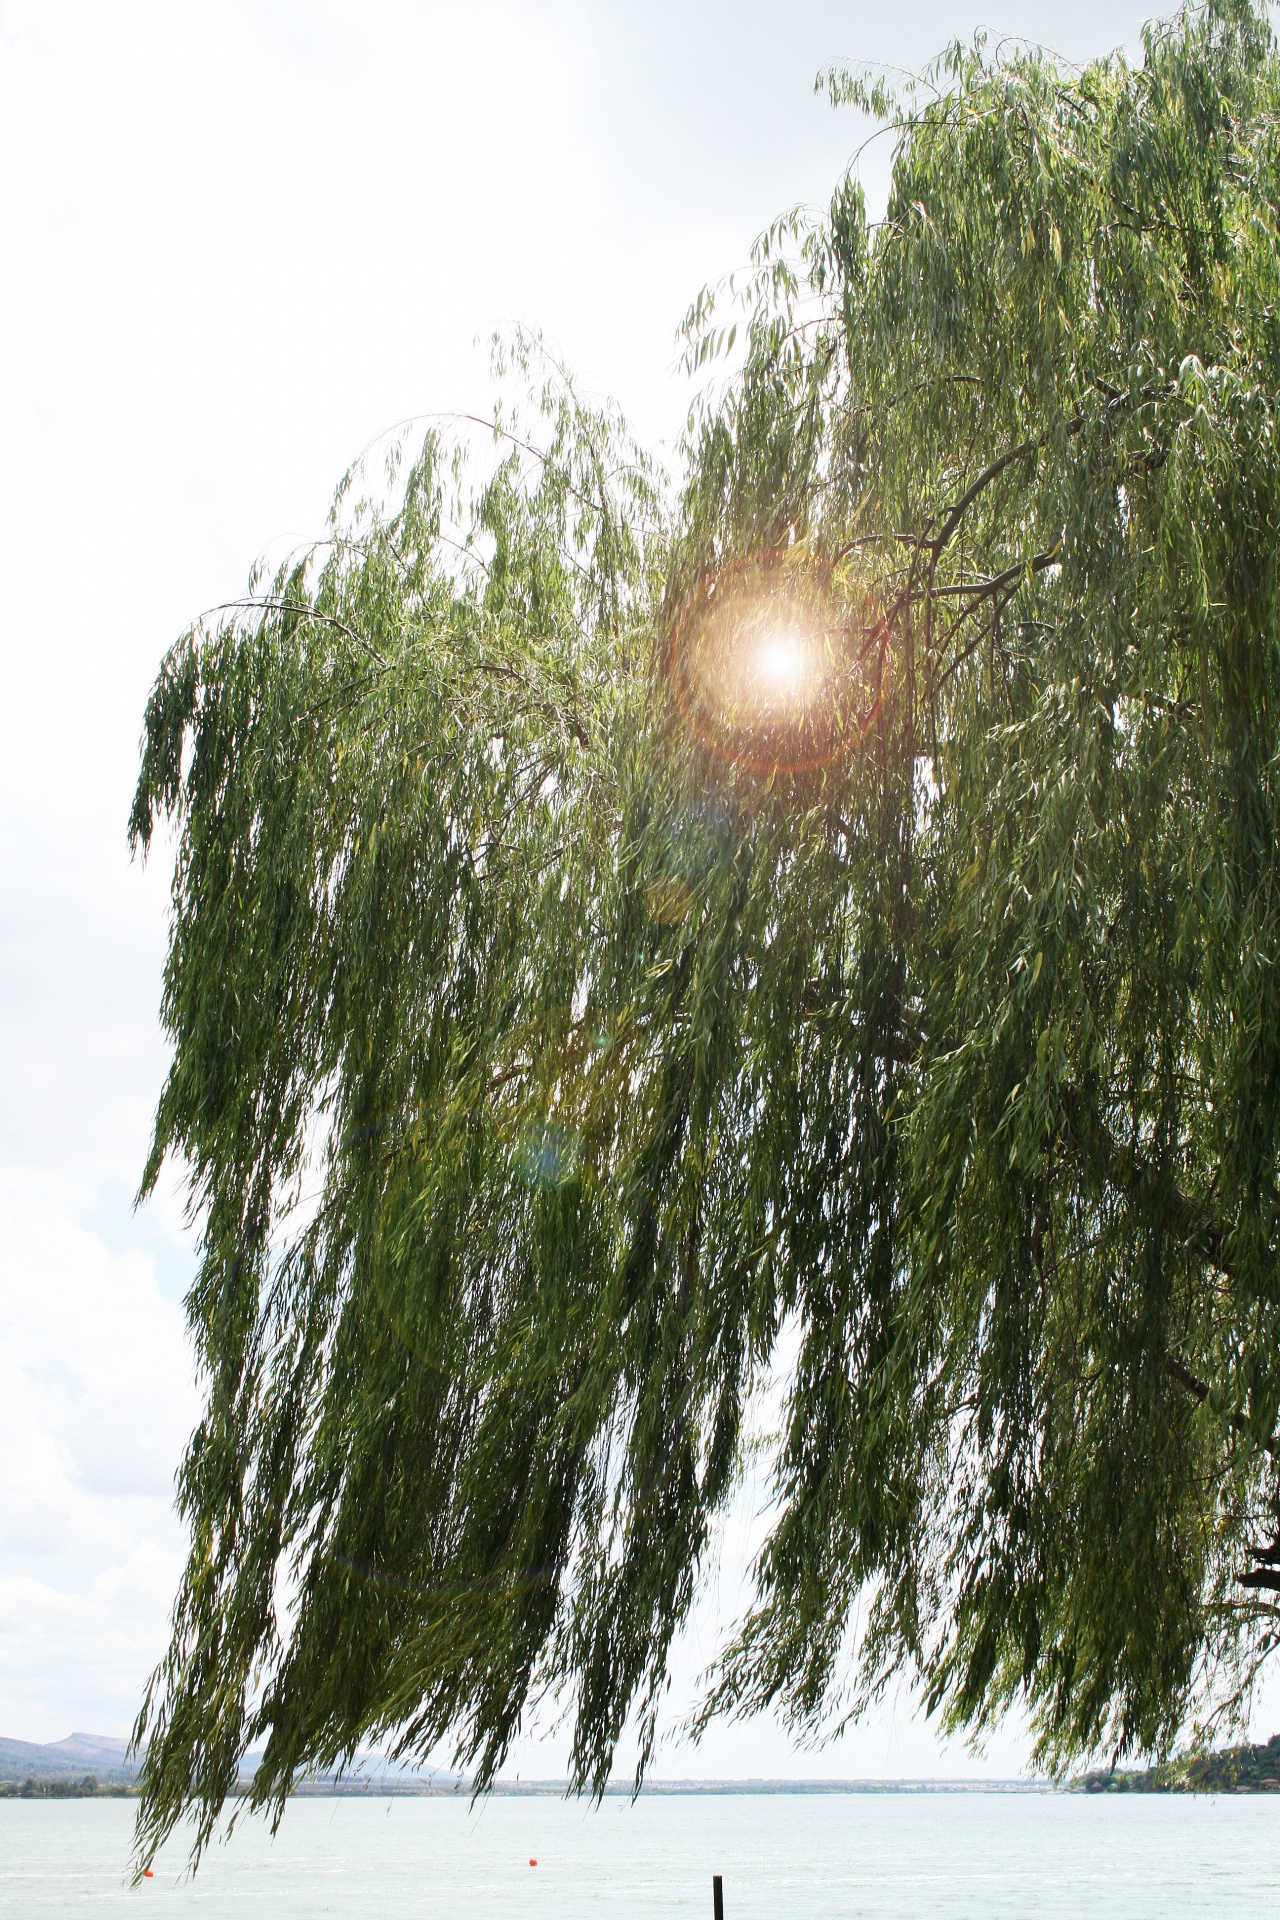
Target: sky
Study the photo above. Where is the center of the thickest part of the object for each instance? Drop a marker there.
(240, 241)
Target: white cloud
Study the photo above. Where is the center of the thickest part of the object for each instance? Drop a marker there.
(96, 1401)
(242, 237)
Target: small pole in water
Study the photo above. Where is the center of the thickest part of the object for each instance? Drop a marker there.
(717, 1897)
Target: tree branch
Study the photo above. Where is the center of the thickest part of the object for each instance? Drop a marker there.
(1200, 1391)
(984, 589)
(971, 493)
(268, 603)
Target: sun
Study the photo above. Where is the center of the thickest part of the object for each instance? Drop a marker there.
(775, 661)
(782, 664)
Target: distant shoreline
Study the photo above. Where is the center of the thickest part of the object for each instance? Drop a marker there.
(89, 1766)
(669, 1789)
(391, 1787)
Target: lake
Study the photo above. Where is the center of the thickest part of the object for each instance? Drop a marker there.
(954, 1856)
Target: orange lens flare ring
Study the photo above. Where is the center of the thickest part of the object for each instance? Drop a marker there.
(777, 664)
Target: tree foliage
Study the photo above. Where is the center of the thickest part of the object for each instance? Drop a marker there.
(566, 1058)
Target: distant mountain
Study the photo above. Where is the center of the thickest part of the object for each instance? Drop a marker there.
(98, 1754)
(68, 1759)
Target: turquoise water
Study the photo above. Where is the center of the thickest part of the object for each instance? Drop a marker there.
(948, 1857)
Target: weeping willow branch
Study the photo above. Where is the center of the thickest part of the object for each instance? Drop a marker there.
(872, 1073)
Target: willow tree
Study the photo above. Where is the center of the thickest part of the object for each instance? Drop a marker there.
(817, 944)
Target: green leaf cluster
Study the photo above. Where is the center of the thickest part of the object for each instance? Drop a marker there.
(557, 1088)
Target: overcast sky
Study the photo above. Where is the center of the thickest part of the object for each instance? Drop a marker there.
(238, 242)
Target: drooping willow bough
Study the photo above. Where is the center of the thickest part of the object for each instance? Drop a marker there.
(621, 939)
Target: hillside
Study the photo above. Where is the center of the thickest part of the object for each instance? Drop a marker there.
(70, 1759)
(1247, 1769)
(64, 1765)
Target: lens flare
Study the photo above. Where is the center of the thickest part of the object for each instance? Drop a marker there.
(782, 664)
(776, 663)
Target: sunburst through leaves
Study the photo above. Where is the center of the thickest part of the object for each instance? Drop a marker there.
(777, 662)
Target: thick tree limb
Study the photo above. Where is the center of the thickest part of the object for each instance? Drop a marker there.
(1265, 1577)
(971, 492)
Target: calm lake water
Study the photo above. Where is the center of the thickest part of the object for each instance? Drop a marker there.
(891, 1856)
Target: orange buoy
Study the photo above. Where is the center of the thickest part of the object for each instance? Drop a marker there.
(147, 1874)
(533, 1863)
